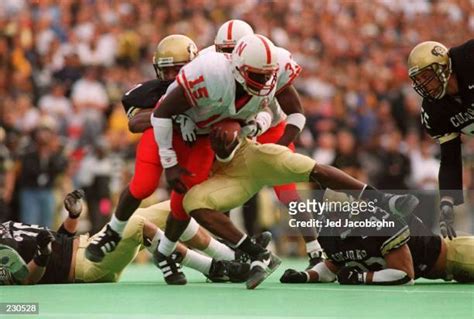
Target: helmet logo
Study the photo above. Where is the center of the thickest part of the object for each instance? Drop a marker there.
(438, 51)
(192, 50)
(240, 48)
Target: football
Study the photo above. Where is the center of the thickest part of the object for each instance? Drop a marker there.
(232, 127)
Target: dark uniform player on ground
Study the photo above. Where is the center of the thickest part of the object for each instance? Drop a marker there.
(445, 80)
(388, 255)
(30, 254)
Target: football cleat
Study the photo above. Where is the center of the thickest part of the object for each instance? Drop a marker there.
(315, 257)
(171, 270)
(218, 271)
(263, 239)
(399, 205)
(11, 262)
(238, 272)
(262, 267)
(102, 244)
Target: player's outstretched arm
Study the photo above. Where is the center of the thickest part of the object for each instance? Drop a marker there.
(290, 103)
(37, 266)
(73, 205)
(324, 271)
(140, 121)
(399, 271)
(450, 180)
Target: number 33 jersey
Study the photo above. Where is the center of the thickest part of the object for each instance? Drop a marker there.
(210, 87)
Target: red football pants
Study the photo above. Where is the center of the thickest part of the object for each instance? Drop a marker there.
(197, 159)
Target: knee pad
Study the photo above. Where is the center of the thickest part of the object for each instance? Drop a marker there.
(141, 189)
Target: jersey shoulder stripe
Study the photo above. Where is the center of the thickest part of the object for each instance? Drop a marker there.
(396, 241)
(288, 69)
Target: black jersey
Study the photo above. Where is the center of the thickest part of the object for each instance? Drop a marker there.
(144, 96)
(453, 114)
(22, 237)
(366, 251)
(363, 247)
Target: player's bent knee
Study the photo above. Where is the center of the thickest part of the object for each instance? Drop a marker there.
(134, 227)
(195, 200)
(142, 190)
(300, 166)
(460, 259)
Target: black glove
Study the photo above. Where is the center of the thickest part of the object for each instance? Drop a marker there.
(446, 219)
(73, 203)
(350, 276)
(43, 247)
(291, 276)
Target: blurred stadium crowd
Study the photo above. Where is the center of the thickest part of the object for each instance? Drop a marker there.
(65, 65)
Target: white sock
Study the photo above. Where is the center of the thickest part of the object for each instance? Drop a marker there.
(117, 224)
(166, 246)
(154, 242)
(190, 231)
(219, 251)
(313, 246)
(197, 261)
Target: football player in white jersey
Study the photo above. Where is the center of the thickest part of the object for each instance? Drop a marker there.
(211, 88)
(291, 117)
(208, 92)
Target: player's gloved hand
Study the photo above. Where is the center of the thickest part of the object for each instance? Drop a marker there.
(44, 248)
(251, 129)
(187, 127)
(220, 144)
(446, 219)
(350, 276)
(173, 177)
(73, 203)
(292, 276)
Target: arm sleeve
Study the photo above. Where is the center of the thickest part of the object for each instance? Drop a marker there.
(450, 170)
(324, 273)
(400, 238)
(390, 277)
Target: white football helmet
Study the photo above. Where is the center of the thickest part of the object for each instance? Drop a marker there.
(229, 33)
(254, 64)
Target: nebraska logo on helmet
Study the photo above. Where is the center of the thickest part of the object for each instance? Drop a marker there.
(240, 48)
(254, 64)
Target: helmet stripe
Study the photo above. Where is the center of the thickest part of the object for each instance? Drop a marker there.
(267, 49)
(229, 30)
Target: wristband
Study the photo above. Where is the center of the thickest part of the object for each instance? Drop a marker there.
(168, 158)
(163, 131)
(296, 119)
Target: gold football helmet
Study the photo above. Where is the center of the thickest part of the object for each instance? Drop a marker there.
(429, 67)
(174, 51)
